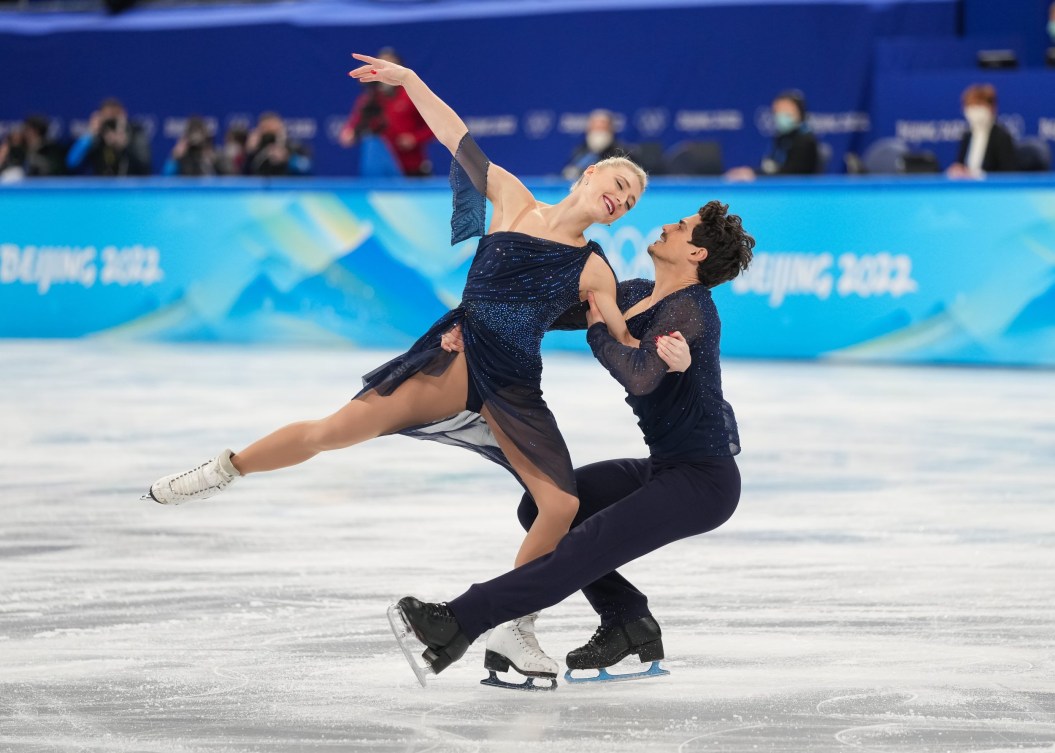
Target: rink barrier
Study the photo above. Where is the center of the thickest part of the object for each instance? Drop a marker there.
(918, 270)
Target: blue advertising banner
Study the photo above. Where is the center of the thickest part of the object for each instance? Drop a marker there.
(921, 270)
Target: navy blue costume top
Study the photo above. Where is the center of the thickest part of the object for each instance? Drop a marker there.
(683, 416)
(517, 286)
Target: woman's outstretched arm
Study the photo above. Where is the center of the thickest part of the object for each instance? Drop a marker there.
(504, 189)
(444, 122)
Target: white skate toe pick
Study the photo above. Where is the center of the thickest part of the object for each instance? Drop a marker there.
(207, 480)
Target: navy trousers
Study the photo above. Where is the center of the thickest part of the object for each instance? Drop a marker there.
(627, 508)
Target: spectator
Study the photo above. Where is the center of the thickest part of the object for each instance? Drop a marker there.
(269, 151)
(386, 112)
(986, 146)
(232, 160)
(194, 153)
(795, 150)
(112, 145)
(598, 143)
(27, 151)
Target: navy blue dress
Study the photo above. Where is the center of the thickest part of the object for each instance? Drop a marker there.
(517, 287)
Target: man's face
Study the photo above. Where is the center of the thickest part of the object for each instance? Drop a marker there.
(675, 242)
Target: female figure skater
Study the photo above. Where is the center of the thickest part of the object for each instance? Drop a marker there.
(532, 265)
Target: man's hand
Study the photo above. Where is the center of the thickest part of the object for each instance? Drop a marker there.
(674, 351)
(593, 315)
(451, 341)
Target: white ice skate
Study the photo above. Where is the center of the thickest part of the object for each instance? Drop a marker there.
(514, 644)
(207, 480)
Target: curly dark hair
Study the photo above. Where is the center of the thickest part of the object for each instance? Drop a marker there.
(729, 247)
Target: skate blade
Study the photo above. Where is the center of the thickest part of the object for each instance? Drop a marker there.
(403, 633)
(494, 681)
(603, 675)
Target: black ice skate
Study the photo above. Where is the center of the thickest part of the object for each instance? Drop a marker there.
(610, 645)
(435, 626)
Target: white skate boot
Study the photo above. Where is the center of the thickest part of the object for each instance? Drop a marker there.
(208, 479)
(514, 644)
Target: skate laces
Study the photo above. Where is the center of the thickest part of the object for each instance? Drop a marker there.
(524, 630)
(440, 612)
(198, 479)
(598, 637)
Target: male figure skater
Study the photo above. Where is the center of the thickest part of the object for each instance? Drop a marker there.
(688, 485)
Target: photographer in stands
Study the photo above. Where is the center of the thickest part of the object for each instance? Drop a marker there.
(112, 145)
(270, 152)
(27, 151)
(986, 146)
(194, 153)
(386, 112)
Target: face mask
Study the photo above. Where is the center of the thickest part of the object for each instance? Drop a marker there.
(1051, 31)
(785, 123)
(979, 117)
(598, 141)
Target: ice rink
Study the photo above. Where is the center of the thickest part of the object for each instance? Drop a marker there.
(886, 584)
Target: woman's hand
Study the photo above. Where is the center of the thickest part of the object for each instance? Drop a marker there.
(451, 341)
(379, 70)
(593, 314)
(674, 351)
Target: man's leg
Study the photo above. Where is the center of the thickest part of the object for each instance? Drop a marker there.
(677, 502)
(601, 485)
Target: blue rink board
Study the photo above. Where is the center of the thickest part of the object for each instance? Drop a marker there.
(917, 270)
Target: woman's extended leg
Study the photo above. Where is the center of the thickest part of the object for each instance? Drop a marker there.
(419, 400)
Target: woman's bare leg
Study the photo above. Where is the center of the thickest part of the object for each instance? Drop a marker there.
(419, 400)
(556, 508)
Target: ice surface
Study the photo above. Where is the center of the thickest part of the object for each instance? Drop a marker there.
(886, 584)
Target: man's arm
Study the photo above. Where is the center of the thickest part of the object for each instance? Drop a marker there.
(641, 369)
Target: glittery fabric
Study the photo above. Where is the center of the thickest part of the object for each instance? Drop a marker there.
(517, 287)
(683, 416)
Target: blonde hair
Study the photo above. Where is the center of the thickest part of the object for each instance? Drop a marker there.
(626, 162)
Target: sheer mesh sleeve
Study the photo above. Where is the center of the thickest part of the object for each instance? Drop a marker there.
(640, 370)
(469, 184)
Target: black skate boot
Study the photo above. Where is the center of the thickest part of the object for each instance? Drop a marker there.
(435, 626)
(611, 644)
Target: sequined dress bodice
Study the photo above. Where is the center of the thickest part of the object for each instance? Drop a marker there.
(518, 285)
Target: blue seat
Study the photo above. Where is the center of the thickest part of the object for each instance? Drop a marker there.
(1034, 154)
(694, 158)
(886, 157)
(824, 157)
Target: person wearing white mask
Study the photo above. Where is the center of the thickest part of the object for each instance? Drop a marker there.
(599, 143)
(986, 146)
(795, 150)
